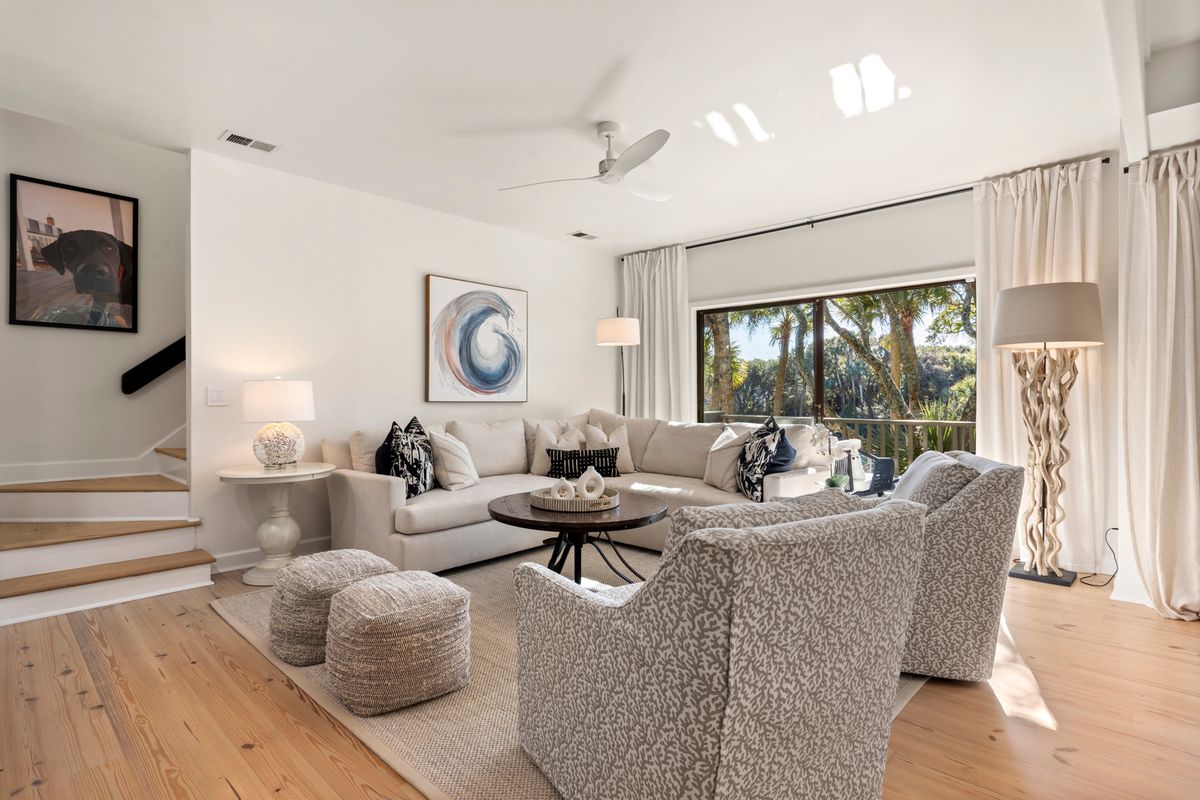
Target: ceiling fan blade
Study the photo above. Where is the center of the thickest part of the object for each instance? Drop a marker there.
(557, 180)
(637, 153)
(644, 190)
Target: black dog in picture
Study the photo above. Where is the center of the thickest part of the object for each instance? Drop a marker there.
(101, 265)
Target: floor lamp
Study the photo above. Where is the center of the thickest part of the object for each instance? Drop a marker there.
(619, 332)
(1046, 325)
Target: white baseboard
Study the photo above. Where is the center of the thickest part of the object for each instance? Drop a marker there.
(244, 559)
(147, 462)
(105, 593)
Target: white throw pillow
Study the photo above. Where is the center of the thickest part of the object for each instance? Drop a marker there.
(363, 445)
(556, 425)
(597, 439)
(640, 431)
(497, 448)
(546, 439)
(721, 469)
(452, 464)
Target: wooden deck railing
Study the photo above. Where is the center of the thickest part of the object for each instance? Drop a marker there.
(905, 439)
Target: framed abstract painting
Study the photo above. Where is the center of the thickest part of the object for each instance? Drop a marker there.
(477, 342)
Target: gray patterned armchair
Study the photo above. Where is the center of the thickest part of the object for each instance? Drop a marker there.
(755, 663)
(970, 526)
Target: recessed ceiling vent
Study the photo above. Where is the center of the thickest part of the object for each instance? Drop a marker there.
(582, 235)
(246, 141)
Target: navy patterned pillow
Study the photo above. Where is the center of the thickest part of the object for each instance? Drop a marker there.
(765, 452)
(407, 453)
(571, 464)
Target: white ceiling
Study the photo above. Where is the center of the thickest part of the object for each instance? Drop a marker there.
(440, 103)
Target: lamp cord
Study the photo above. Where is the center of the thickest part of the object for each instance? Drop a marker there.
(1116, 564)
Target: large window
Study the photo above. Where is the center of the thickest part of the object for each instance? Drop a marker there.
(895, 368)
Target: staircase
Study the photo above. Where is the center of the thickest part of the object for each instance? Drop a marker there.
(75, 544)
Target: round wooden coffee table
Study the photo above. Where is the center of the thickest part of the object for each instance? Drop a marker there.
(578, 530)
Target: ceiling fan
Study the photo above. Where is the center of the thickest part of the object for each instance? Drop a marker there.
(613, 169)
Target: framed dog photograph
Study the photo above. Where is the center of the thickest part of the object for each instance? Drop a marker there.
(74, 257)
(477, 342)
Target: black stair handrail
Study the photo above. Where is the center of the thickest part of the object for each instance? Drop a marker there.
(155, 366)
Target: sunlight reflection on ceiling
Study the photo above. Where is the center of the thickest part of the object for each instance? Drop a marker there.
(1015, 686)
(870, 86)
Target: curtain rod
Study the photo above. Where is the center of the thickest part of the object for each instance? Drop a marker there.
(812, 221)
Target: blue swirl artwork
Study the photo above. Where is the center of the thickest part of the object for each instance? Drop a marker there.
(477, 342)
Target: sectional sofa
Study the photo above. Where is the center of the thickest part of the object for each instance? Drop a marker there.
(441, 529)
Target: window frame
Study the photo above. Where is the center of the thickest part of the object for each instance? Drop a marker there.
(818, 344)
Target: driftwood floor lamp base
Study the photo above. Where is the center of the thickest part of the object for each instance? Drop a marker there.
(1047, 376)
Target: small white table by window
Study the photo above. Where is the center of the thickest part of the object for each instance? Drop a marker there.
(278, 534)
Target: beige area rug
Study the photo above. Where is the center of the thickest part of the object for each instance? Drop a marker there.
(462, 746)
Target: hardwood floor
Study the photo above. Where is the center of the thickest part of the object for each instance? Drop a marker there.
(159, 698)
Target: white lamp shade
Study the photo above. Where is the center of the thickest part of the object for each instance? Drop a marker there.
(277, 401)
(1051, 315)
(618, 332)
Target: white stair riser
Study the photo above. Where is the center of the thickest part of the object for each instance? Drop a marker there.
(24, 506)
(174, 467)
(69, 555)
(104, 593)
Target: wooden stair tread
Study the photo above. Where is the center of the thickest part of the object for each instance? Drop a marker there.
(124, 483)
(16, 535)
(81, 576)
(173, 452)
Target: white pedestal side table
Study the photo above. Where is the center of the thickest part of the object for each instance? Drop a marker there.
(278, 534)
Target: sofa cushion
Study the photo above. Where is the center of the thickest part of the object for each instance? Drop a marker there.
(798, 436)
(557, 425)
(363, 444)
(933, 478)
(597, 439)
(438, 510)
(640, 431)
(549, 439)
(681, 448)
(758, 456)
(406, 453)
(721, 468)
(674, 490)
(497, 448)
(452, 464)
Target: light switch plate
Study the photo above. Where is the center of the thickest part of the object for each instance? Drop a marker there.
(218, 396)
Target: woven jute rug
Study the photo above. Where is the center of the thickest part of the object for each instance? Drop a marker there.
(462, 746)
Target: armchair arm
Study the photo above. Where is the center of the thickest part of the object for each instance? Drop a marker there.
(362, 508)
(794, 483)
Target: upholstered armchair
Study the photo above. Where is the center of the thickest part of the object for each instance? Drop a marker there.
(754, 663)
(970, 526)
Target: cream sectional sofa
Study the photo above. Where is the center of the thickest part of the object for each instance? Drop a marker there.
(441, 529)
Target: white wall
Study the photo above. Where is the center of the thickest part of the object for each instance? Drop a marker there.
(289, 276)
(930, 240)
(62, 398)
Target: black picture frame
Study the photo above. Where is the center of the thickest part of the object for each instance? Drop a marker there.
(21, 258)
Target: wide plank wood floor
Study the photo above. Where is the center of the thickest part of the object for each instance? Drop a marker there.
(159, 698)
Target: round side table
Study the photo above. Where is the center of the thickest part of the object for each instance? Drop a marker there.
(278, 534)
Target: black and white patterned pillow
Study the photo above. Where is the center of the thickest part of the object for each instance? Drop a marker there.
(407, 453)
(763, 453)
(572, 463)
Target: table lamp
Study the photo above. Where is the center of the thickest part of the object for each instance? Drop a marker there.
(278, 444)
(1046, 325)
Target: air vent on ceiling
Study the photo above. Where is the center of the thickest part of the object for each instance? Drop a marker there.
(246, 141)
(582, 235)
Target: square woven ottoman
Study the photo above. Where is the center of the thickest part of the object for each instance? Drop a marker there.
(398, 639)
(300, 605)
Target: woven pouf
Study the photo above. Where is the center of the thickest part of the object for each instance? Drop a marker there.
(396, 640)
(300, 605)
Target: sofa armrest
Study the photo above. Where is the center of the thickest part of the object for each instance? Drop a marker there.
(362, 509)
(794, 483)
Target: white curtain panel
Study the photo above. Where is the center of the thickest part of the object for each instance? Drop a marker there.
(655, 290)
(1160, 379)
(1042, 226)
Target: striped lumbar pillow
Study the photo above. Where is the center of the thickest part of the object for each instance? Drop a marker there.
(571, 463)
